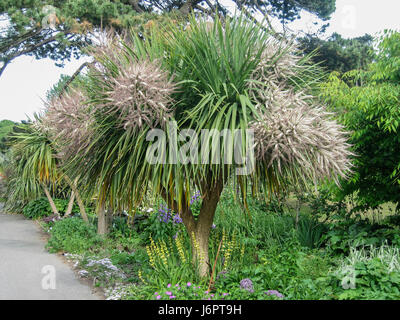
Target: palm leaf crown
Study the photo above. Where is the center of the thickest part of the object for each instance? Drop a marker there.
(220, 75)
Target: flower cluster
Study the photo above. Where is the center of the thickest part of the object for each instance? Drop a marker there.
(247, 284)
(140, 95)
(69, 121)
(294, 135)
(274, 293)
(158, 253)
(195, 197)
(297, 132)
(118, 292)
(165, 215)
(105, 266)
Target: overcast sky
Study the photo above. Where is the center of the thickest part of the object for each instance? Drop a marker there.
(24, 83)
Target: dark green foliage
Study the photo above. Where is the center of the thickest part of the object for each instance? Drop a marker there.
(37, 209)
(154, 226)
(26, 32)
(354, 232)
(41, 208)
(290, 10)
(260, 226)
(72, 235)
(309, 232)
(368, 105)
(6, 127)
(339, 54)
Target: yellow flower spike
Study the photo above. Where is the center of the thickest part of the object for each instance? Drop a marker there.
(179, 246)
(141, 277)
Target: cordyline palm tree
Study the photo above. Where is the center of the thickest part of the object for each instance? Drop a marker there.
(37, 165)
(220, 75)
(62, 114)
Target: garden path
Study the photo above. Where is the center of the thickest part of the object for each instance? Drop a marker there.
(28, 271)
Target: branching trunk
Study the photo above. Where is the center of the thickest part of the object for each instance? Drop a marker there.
(70, 204)
(74, 188)
(199, 230)
(204, 223)
(50, 199)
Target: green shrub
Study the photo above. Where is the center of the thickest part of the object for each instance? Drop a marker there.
(72, 235)
(38, 208)
(344, 233)
(160, 225)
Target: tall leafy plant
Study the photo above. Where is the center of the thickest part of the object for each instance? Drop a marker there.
(367, 103)
(217, 76)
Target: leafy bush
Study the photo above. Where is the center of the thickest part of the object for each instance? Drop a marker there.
(38, 208)
(342, 234)
(160, 225)
(369, 109)
(72, 235)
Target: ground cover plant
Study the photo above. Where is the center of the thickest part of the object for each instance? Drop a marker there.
(265, 258)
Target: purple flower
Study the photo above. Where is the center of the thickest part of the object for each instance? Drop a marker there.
(169, 285)
(247, 284)
(213, 226)
(195, 197)
(164, 214)
(188, 284)
(177, 219)
(158, 297)
(172, 297)
(155, 293)
(274, 293)
(225, 294)
(168, 293)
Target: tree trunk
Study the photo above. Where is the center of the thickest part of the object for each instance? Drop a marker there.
(78, 197)
(204, 223)
(199, 230)
(104, 220)
(52, 204)
(81, 206)
(70, 204)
